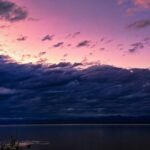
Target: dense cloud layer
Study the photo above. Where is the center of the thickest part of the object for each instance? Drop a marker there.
(64, 89)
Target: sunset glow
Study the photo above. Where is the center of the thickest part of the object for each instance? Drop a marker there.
(114, 32)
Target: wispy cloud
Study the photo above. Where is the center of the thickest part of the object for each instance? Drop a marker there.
(139, 24)
(73, 35)
(134, 6)
(85, 43)
(58, 44)
(33, 19)
(42, 54)
(136, 46)
(76, 34)
(4, 26)
(143, 3)
(22, 38)
(120, 2)
(48, 37)
(140, 3)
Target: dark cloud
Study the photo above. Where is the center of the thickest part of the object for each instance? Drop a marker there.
(85, 43)
(64, 89)
(6, 91)
(47, 38)
(11, 12)
(136, 46)
(102, 39)
(139, 24)
(22, 38)
(58, 44)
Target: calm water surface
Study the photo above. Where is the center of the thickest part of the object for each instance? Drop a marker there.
(81, 137)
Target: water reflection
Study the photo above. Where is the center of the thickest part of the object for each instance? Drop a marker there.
(113, 137)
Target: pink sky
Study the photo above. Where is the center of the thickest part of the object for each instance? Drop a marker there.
(104, 30)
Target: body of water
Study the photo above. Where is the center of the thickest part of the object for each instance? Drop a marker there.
(80, 137)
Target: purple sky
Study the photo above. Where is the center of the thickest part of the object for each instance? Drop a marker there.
(114, 32)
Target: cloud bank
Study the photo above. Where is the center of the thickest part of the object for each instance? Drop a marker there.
(64, 89)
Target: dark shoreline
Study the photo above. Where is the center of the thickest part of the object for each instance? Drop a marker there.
(80, 120)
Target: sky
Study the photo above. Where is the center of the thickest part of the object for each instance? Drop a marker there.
(74, 58)
(114, 32)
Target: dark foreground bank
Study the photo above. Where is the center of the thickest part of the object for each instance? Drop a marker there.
(79, 120)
